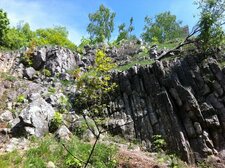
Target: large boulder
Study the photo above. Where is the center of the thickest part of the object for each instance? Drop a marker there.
(63, 133)
(55, 59)
(34, 119)
(29, 72)
(60, 60)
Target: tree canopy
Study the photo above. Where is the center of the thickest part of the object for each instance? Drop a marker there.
(101, 24)
(22, 36)
(164, 27)
(55, 36)
(4, 25)
(210, 23)
(125, 33)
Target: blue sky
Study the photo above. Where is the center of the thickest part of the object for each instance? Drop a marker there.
(73, 14)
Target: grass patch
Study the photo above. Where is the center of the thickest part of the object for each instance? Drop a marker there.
(48, 149)
(170, 44)
(12, 159)
(167, 45)
(6, 76)
(131, 64)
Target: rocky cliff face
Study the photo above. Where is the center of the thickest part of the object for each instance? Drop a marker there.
(182, 100)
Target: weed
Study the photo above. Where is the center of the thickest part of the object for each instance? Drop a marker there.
(46, 72)
(27, 57)
(64, 104)
(6, 76)
(56, 122)
(52, 90)
(159, 143)
(20, 99)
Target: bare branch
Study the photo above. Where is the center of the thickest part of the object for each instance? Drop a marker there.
(185, 42)
(64, 146)
(92, 150)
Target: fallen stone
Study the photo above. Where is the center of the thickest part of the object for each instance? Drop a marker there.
(63, 133)
(34, 119)
(6, 116)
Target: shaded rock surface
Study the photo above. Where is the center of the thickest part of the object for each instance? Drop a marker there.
(34, 119)
(183, 101)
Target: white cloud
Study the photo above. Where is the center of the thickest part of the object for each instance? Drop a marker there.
(27, 11)
(40, 14)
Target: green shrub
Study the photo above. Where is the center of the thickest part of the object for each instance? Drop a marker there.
(64, 104)
(56, 122)
(159, 143)
(81, 128)
(27, 57)
(73, 162)
(20, 98)
(46, 72)
(52, 89)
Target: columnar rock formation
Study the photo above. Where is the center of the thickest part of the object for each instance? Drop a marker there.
(184, 101)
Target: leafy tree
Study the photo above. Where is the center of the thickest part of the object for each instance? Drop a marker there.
(14, 39)
(101, 24)
(94, 86)
(4, 23)
(125, 33)
(26, 30)
(131, 27)
(54, 36)
(210, 23)
(164, 27)
(19, 36)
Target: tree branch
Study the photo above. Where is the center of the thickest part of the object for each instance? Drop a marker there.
(185, 42)
(64, 146)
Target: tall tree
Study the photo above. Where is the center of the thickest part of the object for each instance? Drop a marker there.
(131, 27)
(210, 23)
(164, 27)
(19, 36)
(125, 33)
(101, 24)
(4, 25)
